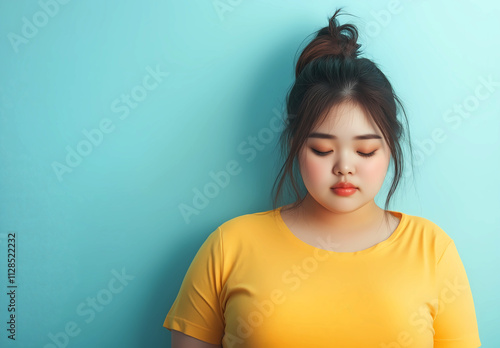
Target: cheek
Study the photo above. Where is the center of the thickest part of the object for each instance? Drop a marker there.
(375, 171)
(313, 169)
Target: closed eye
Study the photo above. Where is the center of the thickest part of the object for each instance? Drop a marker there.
(319, 153)
(367, 154)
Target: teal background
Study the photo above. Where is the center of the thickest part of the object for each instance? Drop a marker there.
(223, 77)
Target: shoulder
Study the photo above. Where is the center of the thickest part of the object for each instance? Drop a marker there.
(428, 232)
(424, 224)
(248, 228)
(251, 221)
(243, 237)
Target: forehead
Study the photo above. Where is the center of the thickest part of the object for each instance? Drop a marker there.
(347, 120)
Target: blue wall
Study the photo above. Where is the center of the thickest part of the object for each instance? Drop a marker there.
(113, 115)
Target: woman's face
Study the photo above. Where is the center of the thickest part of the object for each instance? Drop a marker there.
(342, 159)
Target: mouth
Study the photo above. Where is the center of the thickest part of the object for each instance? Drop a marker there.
(343, 185)
(344, 191)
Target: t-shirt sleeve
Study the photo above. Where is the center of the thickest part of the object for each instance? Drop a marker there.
(197, 310)
(455, 324)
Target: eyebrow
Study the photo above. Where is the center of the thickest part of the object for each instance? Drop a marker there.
(330, 136)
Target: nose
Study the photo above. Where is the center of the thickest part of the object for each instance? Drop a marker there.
(343, 164)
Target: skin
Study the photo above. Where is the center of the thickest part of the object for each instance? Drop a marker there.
(181, 340)
(352, 222)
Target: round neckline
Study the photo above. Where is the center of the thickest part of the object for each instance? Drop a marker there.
(292, 237)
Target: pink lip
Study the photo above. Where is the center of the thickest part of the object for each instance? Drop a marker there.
(343, 185)
(344, 191)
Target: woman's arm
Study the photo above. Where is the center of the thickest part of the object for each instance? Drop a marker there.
(181, 340)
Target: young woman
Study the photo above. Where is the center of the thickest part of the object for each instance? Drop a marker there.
(331, 269)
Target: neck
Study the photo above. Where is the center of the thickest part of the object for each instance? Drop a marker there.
(340, 224)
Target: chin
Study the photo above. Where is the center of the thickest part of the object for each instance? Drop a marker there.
(342, 206)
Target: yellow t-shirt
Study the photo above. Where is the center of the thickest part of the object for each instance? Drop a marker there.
(254, 284)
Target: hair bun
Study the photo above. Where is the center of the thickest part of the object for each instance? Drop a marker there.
(332, 40)
(344, 37)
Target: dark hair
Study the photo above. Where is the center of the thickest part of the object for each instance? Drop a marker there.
(329, 73)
